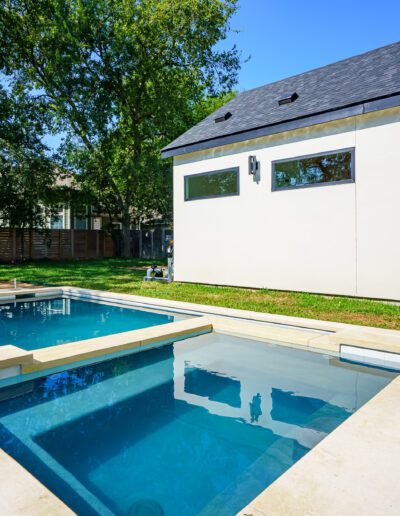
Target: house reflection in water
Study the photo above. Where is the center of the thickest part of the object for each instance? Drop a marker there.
(296, 394)
(211, 385)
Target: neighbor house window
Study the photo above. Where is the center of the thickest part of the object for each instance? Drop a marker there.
(313, 170)
(219, 183)
(57, 218)
(81, 218)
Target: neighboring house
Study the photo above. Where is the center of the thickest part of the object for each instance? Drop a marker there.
(88, 217)
(296, 185)
(84, 217)
(77, 217)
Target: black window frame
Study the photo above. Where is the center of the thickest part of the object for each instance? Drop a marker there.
(210, 173)
(352, 179)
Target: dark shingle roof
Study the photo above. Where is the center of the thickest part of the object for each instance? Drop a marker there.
(351, 82)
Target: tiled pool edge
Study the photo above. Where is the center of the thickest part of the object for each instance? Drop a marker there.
(317, 336)
(354, 470)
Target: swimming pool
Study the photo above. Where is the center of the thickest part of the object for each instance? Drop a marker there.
(49, 322)
(197, 427)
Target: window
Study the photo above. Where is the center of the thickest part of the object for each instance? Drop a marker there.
(80, 222)
(212, 184)
(81, 218)
(57, 218)
(314, 170)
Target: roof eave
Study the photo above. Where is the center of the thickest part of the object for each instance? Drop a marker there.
(367, 106)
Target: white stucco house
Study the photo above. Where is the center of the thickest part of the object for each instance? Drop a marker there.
(296, 185)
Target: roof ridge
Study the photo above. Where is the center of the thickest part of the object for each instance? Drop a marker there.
(373, 51)
(360, 79)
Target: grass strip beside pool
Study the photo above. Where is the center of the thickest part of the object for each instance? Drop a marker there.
(126, 276)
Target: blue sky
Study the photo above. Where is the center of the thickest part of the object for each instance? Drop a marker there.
(287, 37)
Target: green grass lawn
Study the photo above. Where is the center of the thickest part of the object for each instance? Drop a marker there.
(126, 276)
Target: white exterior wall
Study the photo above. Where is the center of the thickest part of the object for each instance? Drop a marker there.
(333, 239)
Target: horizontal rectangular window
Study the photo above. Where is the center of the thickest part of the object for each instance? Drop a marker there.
(212, 184)
(313, 170)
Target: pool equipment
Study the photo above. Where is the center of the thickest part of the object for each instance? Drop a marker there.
(155, 273)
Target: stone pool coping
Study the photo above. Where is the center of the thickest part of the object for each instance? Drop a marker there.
(314, 334)
(336, 477)
(22, 493)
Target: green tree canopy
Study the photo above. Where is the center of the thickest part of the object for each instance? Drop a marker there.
(27, 173)
(121, 77)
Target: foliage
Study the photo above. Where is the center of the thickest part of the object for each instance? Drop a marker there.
(208, 104)
(26, 172)
(121, 77)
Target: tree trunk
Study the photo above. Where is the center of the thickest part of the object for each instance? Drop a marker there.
(126, 235)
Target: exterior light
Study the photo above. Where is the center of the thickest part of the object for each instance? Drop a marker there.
(254, 168)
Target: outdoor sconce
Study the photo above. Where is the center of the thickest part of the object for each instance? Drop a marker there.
(254, 168)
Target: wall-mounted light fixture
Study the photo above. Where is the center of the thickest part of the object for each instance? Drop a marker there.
(254, 168)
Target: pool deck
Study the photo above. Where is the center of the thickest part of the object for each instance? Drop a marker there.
(354, 469)
(22, 494)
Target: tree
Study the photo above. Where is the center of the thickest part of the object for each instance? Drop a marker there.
(27, 173)
(152, 191)
(120, 76)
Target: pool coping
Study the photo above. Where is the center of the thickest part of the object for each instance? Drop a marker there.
(22, 493)
(361, 343)
(325, 465)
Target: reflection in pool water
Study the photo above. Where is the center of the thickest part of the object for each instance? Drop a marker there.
(198, 427)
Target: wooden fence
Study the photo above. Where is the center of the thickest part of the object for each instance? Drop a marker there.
(79, 244)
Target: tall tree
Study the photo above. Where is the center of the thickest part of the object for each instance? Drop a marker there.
(27, 173)
(120, 76)
(152, 191)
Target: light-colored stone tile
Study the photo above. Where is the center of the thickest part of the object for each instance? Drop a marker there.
(23, 495)
(377, 340)
(12, 293)
(53, 356)
(277, 333)
(12, 355)
(324, 343)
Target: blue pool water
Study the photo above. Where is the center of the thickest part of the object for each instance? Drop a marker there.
(198, 427)
(39, 324)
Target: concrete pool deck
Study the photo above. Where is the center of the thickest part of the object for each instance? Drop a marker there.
(22, 494)
(355, 468)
